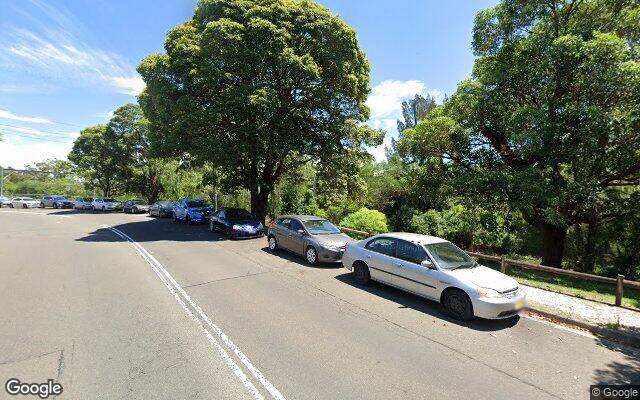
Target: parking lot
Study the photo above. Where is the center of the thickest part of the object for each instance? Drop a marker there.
(139, 307)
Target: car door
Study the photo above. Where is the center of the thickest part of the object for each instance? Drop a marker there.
(296, 238)
(379, 256)
(412, 276)
(281, 232)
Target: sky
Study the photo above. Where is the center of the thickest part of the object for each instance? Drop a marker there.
(66, 65)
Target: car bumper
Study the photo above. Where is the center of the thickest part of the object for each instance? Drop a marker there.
(247, 234)
(500, 307)
(32, 205)
(326, 255)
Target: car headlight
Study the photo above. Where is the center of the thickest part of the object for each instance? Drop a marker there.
(486, 293)
(332, 247)
(260, 226)
(237, 227)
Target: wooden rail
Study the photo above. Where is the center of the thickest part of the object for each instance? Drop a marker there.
(355, 232)
(620, 282)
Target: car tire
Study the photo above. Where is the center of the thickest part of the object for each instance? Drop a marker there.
(188, 220)
(11, 205)
(103, 209)
(24, 206)
(457, 305)
(361, 273)
(55, 205)
(174, 217)
(311, 255)
(41, 205)
(134, 211)
(273, 243)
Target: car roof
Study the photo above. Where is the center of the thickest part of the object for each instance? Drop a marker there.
(301, 217)
(414, 237)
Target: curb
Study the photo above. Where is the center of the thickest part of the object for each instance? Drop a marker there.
(609, 334)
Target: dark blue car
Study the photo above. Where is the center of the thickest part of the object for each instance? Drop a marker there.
(236, 223)
(191, 210)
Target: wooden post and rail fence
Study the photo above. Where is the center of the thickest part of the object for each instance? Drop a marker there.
(619, 282)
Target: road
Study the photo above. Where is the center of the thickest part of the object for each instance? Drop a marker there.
(126, 306)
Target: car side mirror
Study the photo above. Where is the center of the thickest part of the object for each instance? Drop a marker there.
(302, 232)
(428, 264)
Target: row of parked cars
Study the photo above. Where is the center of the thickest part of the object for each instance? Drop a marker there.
(427, 266)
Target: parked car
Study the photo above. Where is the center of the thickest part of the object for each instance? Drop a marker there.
(135, 206)
(82, 203)
(236, 223)
(24, 202)
(314, 238)
(55, 202)
(5, 201)
(161, 209)
(191, 210)
(436, 269)
(105, 204)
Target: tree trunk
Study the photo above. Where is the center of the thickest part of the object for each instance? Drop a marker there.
(259, 202)
(552, 244)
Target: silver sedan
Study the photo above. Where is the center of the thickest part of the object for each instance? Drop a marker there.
(434, 268)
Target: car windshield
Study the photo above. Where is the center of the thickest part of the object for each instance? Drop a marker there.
(238, 213)
(136, 201)
(164, 203)
(110, 200)
(28, 199)
(320, 227)
(59, 198)
(197, 203)
(87, 199)
(449, 256)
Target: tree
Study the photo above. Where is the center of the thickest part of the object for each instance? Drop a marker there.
(93, 155)
(549, 123)
(258, 88)
(414, 110)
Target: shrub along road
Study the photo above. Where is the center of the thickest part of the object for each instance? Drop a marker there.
(155, 309)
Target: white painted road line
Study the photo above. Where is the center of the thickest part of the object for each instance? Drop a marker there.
(34, 213)
(172, 285)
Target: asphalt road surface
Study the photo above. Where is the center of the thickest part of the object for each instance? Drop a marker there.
(126, 306)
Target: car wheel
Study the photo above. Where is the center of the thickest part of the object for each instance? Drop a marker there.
(41, 205)
(211, 227)
(457, 304)
(103, 209)
(273, 243)
(55, 205)
(24, 206)
(311, 255)
(175, 217)
(134, 210)
(188, 219)
(361, 273)
(11, 205)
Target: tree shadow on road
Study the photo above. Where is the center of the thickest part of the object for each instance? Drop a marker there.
(431, 308)
(292, 258)
(155, 230)
(625, 372)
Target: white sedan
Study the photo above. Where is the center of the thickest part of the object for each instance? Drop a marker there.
(436, 269)
(105, 204)
(24, 202)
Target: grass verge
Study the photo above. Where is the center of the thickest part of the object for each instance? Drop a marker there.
(574, 287)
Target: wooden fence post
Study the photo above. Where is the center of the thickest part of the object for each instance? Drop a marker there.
(619, 289)
(503, 264)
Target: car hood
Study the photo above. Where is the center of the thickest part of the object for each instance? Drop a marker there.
(198, 209)
(336, 239)
(485, 277)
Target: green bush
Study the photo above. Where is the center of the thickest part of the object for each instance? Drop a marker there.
(372, 221)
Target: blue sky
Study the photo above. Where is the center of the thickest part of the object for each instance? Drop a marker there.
(65, 65)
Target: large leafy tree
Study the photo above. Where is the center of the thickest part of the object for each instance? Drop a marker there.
(258, 87)
(93, 155)
(550, 121)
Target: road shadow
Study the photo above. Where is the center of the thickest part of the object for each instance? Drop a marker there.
(68, 211)
(292, 258)
(625, 372)
(154, 229)
(425, 306)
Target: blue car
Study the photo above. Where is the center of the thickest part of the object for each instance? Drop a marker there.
(191, 210)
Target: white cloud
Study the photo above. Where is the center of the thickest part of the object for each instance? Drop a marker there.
(18, 153)
(385, 102)
(4, 114)
(58, 54)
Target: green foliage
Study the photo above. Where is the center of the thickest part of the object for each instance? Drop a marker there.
(372, 221)
(258, 88)
(549, 122)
